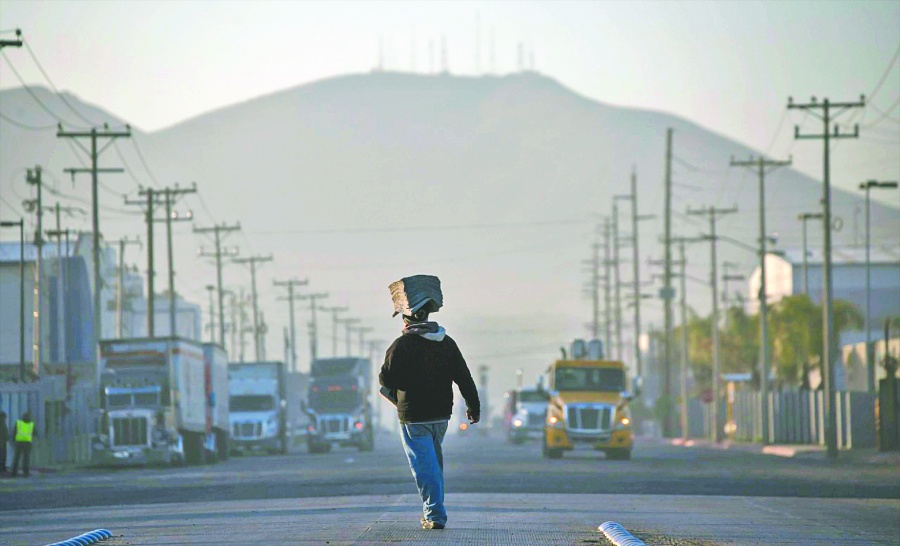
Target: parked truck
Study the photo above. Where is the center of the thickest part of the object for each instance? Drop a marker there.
(216, 377)
(339, 404)
(258, 406)
(157, 401)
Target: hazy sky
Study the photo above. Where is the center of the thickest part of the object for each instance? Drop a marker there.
(727, 65)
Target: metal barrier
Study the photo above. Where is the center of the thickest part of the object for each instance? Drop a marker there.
(795, 417)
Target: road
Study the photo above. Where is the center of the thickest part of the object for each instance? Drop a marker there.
(662, 484)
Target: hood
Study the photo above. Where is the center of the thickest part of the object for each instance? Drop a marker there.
(575, 397)
(251, 416)
(435, 336)
(536, 408)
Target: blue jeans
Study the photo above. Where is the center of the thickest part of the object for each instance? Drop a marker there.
(422, 444)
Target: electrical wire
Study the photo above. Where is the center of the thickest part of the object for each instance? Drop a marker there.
(137, 148)
(61, 96)
(32, 94)
(21, 125)
(886, 114)
(456, 227)
(884, 76)
(128, 168)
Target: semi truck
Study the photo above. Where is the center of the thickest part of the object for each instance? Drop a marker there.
(339, 404)
(157, 398)
(258, 406)
(588, 405)
(524, 413)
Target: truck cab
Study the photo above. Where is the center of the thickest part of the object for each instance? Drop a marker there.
(338, 405)
(588, 408)
(525, 413)
(256, 406)
(132, 429)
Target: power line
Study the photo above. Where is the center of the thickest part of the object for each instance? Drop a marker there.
(418, 228)
(21, 125)
(137, 148)
(53, 85)
(31, 93)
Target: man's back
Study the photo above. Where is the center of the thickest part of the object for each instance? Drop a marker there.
(423, 371)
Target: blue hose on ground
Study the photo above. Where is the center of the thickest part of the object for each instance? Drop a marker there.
(86, 539)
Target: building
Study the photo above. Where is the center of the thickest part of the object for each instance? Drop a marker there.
(785, 277)
(66, 312)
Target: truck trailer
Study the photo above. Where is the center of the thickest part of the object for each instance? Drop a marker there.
(156, 402)
(258, 406)
(339, 404)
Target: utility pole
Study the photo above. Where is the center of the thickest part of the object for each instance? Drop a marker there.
(348, 325)
(290, 284)
(219, 231)
(150, 200)
(314, 337)
(62, 277)
(233, 323)
(362, 330)
(94, 153)
(713, 213)
(636, 269)
(685, 417)
(334, 310)
(170, 195)
(212, 314)
(253, 260)
(607, 296)
(829, 350)
(120, 285)
(617, 281)
(870, 356)
(761, 164)
(667, 293)
(243, 324)
(803, 217)
(728, 278)
(33, 178)
(13, 43)
(594, 263)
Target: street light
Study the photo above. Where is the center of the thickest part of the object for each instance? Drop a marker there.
(21, 225)
(870, 361)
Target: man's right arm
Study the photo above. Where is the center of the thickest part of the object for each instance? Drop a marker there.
(388, 378)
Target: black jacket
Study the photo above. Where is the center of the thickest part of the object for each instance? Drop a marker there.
(422, 372)
(4, 433)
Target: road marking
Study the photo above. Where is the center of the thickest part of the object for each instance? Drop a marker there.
(618, 535)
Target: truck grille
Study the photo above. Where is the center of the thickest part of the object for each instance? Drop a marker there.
(536, 420)
(596, 418)
(334, 425)
(129, 431)
(247, 430)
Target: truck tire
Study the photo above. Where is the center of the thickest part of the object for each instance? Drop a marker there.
(193, 448)
(315, 447)
(549, 452)
(618, 454)
(222, 444)
(283, 447)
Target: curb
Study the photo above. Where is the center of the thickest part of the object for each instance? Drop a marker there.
(618, 535)
(86, 539)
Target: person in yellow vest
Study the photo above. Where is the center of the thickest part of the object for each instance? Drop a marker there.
(23, 435)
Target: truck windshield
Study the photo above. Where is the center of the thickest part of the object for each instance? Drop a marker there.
(590, 379)
(251, 402)
(333, 400)
(533, 396)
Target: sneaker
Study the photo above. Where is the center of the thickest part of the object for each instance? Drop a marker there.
(428, 524)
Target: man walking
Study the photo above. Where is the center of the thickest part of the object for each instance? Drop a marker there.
(419, 370)
(4, 439)
(23, 434)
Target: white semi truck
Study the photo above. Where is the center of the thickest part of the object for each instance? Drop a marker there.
(258, 406)
(158, 403)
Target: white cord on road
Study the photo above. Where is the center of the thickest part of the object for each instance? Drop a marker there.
(619, 536)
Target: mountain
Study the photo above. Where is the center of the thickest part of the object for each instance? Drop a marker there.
(494, 184)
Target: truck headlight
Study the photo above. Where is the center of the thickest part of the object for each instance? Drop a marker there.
(623, 422)
(555, 422)
(517, 422)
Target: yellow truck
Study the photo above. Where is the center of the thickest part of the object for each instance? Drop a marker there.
(588, 407)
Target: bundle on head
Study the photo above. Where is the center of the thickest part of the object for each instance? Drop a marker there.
(417, 296)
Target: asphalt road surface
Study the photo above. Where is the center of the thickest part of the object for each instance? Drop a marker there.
(487, 470)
